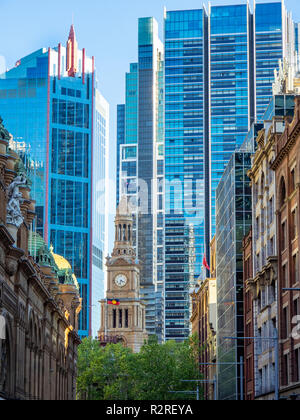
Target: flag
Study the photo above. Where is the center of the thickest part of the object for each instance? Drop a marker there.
(114, 302)
(205, 264)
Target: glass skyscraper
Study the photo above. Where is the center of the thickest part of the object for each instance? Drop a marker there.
(233, 221)
(230, 84)
(185, 102)
(141, 166)
(219, 70)
(120, 140)
(218, 73)
(274, 39)
(50, 103)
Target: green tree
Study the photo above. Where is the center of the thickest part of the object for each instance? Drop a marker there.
(116, 373)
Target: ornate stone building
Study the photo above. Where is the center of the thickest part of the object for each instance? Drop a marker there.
(264, 283)
(39, 299)
(286, 165)
(203, 319)
(124, 322)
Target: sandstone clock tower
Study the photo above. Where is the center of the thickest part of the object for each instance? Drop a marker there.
(124, 321)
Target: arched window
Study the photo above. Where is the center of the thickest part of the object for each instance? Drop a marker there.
(282, 192)
(124, 233)
(120, 232)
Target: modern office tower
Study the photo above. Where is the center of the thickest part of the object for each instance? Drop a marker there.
(141, 166)
(233, 221)
(231, 82)
(274, 39)
(219, 70)
(120, 140)
(51, 104)
(185, 170)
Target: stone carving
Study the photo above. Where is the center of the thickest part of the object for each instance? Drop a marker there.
(11, 265)
(4, 134)
(15, 199)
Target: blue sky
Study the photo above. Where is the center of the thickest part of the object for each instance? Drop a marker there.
(106, 28)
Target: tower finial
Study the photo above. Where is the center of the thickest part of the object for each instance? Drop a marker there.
(72, 50)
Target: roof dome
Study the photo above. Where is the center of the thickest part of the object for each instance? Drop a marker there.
(46, 257)
(61, 262)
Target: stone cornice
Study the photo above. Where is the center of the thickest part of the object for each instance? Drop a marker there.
(289, 137)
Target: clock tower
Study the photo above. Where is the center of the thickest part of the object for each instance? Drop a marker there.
(123, 312)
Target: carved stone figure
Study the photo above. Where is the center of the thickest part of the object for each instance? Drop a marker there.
(4, 134)
(14, 214)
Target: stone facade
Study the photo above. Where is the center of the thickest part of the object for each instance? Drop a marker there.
(39, 304)
(203, 319)
(286, 166)
(263, 284)
(125, 322)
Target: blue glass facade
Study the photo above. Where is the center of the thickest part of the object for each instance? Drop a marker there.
(219, 70)
(55, 117)
(269, 45)
(120, 140)
(230, 80)
(184, 164)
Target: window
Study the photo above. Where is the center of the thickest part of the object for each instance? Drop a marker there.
(296, 307)
(285, 325)
(293, 180)
(294, 224)
(284, 276)
(114, 318)
(271, 246)
(295, 269)
(271, 210)
(282, 192)
(286, 369)
(283, 236)
(120, 318)
(126, 318)
(262, 184)
(257, 228)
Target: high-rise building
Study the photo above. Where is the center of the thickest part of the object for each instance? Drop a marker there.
(218, 73)
(219, 70)
(140, 166)
(233, 222)
(230, 87)
(120, 140)
(185, 170)
(50, 101)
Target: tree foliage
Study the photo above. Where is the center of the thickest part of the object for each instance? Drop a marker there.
(116, 373)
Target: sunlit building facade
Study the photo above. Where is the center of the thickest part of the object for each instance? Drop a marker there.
(51, 104)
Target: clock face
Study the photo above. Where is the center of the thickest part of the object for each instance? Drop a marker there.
(121, 280)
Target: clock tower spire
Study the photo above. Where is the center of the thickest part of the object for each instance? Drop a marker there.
(123, 312)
